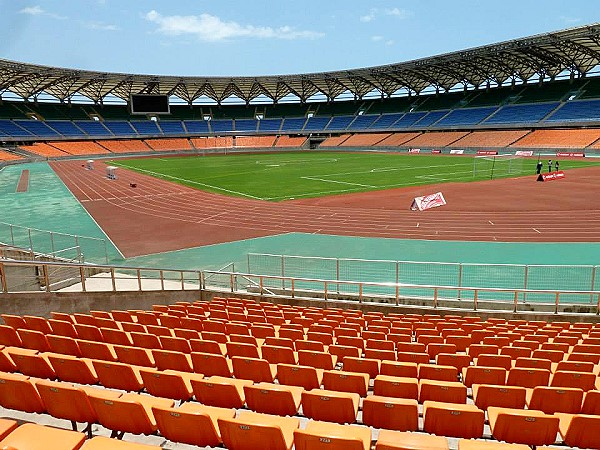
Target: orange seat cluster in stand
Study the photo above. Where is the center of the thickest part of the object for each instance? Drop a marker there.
(536, 381)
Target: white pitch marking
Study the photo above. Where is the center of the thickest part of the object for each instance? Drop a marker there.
(536, 230)
(162, 175)
(417, 224)
(338, 182)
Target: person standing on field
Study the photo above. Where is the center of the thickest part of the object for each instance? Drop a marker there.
(538, 167)
(549, 165)
(556, 165)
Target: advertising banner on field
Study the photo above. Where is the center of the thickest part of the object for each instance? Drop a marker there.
(436, 151)
(570, 154)
(456, 152)
(487, 152)
(551, 176)
(414, 150)
(524, 153)
(428, 202)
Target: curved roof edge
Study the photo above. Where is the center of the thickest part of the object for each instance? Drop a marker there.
(576, 50)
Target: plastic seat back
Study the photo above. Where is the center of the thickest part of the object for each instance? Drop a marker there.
(582, 380)
(453, 420)
(391, 413)
(485, 396)
(330, 406)
(295, 375)
(551, 400)
(248, 432)
(17, 392)
(118, 375)
(166, 359)
(210, 364)
(528, 378)
(274, 399)
(254, 369)
(191, 424)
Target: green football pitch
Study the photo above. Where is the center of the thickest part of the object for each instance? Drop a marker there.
(289, 175)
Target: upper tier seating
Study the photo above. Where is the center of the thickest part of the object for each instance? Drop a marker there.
(579, 110)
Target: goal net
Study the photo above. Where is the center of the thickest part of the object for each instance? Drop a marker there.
(498, 166)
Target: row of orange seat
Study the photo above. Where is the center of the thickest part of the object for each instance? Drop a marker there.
(210, 426)
(32, 436)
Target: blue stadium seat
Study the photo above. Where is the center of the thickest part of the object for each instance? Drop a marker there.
(65, 127)
(269, 125)
(340, 123)
(196, 126)
(431, 118)
(10, 129)
(172, 127)
(120, 128)
(577, 111)
(92, 127)
(386, 121)
(246, 125)
(363, 122)
(408, 119)
(524, 113)
(36, 127)
(145, 127)
(466, 116)
(316, 123)
(222, 125)
(293, 124)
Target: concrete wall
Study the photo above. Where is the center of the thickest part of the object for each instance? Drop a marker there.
(42, 304)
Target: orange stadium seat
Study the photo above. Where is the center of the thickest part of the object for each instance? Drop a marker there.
(400, 440)
(453, 420)
(32, 436)
(486, 395)
(192, 423)
(220, 391)
(328, 436)
(330, 406)
(272, 398)
(401, 414)
(252, 430)
(517, 426)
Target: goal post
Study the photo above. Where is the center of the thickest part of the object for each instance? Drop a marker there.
(497, 166)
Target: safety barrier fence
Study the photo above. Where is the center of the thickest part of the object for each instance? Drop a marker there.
(28, 276)
(532, 279)
(61, 245)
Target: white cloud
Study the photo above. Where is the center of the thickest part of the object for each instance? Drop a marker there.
(38, 11)
(374, 13)
(100, 26)
(397, 12)
(377, 38)
(32, 10)
(570, 20)
(389, 42)
(369, 17)
(211, 28)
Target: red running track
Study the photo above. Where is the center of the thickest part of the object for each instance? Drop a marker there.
(158, 215)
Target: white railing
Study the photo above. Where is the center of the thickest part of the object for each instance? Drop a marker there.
(29, 276)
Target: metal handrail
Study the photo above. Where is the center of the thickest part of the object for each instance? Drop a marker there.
(201, 276)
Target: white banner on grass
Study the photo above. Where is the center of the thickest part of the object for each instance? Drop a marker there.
(428, 202)
(457, 152)
(524, 153)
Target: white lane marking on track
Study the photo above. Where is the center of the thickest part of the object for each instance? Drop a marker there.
(536, 230)
(491, 223)
(338, 182)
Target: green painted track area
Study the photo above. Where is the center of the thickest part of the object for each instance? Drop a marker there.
(289, 175)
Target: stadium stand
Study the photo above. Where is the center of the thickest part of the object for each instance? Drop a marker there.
(578, 138)
(255, 141)
(80, 147)
(7, 156)
(290, 141)
(364, 140)
(392, 404)
(489, 139)
(437, 138)
(168, 144)
(335, 140)
(397, 139)
(124, 146)
(44, 149)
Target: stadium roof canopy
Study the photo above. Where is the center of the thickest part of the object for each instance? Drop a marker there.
(576, 50)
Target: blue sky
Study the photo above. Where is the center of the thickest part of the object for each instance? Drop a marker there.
(262, 37)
